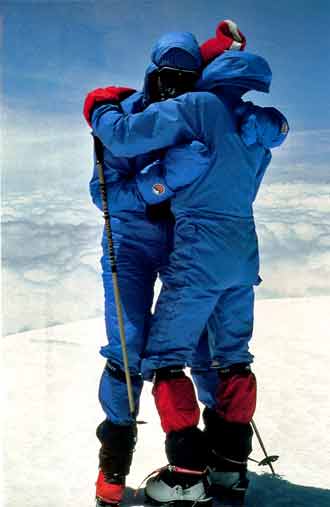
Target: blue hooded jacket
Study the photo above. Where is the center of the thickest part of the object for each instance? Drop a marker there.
(232, 138)
(176, 49)
(240, 71)
(185, 164)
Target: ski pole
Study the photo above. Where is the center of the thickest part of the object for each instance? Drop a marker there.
(99, 154)
(268, 459)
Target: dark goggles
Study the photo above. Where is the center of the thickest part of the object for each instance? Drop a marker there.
(176, 81)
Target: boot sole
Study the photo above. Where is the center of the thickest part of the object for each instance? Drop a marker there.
(178, 503)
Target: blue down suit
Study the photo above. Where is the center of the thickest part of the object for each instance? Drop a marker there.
(208, 281)
(142, 246)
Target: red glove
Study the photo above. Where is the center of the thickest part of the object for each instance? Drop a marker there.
(227, 36)
(114, 94)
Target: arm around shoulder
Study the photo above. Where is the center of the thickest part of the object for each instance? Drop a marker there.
(161, 125)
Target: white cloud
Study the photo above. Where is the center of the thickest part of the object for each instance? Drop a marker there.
(50, 261)
(51, 271)
(293, 223)
(304, 158)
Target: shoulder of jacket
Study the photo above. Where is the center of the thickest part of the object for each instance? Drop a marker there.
(201, 95)
(204, 99)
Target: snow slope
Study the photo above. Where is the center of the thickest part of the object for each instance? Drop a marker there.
(51, 411)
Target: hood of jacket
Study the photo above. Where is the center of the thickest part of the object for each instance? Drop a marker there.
(241, 71)
(179, 50)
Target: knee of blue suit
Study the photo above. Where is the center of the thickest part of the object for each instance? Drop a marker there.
(114, 398)
(206, 382)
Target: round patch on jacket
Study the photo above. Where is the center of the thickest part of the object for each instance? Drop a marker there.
(158, 188)
(284, 127)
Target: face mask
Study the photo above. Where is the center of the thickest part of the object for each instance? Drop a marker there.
(168, 82)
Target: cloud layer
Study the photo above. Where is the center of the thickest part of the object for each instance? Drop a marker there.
(51, 252)
(50, 261)
(293, 222)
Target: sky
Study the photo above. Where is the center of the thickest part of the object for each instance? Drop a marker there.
(54, 52)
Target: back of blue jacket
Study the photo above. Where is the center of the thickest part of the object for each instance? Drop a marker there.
(228, 186)
(220, 200)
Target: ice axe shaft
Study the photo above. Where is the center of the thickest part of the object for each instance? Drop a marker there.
(98, 146)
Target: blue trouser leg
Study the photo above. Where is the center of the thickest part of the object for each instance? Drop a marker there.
(205, 378)
(136, 284)
(186, 301)
(175, 328)
(230, 327)
(139, 248)
(197, 284)
(114, 398)
(226, 340)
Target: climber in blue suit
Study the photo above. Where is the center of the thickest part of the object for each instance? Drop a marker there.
(143, 237)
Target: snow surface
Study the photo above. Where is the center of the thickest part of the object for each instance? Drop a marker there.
(51, 411)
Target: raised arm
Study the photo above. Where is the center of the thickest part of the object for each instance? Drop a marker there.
(161, 125)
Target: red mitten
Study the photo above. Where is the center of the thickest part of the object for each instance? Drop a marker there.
(228, 36)
(114, 94)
